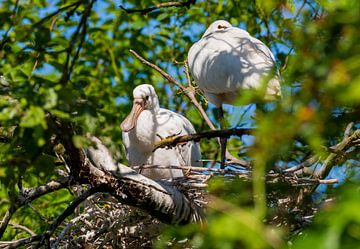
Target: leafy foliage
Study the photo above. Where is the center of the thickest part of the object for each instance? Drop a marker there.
(70, 59)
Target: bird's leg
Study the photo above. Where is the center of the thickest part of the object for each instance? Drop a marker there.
(222, 139)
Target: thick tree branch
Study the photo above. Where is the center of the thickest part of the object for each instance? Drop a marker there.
(159, 6)
(95, 166)
(159, 199)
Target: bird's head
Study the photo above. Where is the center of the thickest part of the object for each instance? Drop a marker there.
(145, 98)
(218, 25)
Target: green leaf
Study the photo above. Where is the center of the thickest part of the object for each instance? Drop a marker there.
(35, 116)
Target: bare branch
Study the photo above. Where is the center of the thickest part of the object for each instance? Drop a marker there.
(5, 36)
(348, 128)
(162, 72)
(5, 221)
(30, 194)
(81, 28)
(174, 140)
(159, 6)
(75, 5)
(67, 212)
(20, 242)
(191, 95)
(308, 162)
(331, 159)
(24, 228)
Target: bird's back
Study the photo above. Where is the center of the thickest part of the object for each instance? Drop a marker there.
(226, 61)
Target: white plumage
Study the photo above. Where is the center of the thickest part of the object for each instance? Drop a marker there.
(146, 124)
(227, 59)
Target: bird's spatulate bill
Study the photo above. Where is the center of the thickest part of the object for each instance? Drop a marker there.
(130, 121)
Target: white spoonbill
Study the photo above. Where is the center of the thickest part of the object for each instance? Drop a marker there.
(227, 60)
(146, 124)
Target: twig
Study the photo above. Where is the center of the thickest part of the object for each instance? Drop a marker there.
(308, 162)
(348, 128)
(30, 194)
(300, 9)
(159, 6)
(189, 91)
(5, 221)
(44, 236)
(174, 140)
(187, 73)
(24, 228)
(192, 168)
(5, 36)
(81, 27)
(68, 211)
(329, 161)
(20, 242)
(76, 4)
(191, 95)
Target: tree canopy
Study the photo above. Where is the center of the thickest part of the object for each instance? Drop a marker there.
(68, 69)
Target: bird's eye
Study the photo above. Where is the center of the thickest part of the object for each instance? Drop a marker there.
(219, 27)
(147, 97)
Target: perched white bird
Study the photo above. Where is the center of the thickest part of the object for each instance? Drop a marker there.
(227, 60)
(146, 124)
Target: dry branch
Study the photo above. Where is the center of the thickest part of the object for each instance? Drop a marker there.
(346, 143)
(80, 30)
(203, 174)
(28, 195)
(174, 140)
(44, 237)
(67, 212)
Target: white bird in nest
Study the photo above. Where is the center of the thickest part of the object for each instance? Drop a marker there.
(147, 124)
(228, 60)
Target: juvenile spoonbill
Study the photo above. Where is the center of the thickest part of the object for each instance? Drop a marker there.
(146, 124)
